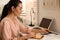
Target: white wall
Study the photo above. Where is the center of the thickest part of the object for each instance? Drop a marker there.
(55, 13)
(28, 5)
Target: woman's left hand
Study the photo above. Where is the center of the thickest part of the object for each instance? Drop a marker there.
(31, 35)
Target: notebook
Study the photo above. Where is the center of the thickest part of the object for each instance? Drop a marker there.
(46, 23)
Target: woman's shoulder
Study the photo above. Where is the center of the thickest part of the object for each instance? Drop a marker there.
(5, 20)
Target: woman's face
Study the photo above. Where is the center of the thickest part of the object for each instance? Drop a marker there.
(17, 10)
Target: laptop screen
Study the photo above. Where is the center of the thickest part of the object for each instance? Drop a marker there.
(45, 23)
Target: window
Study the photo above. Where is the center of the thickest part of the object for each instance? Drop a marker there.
(24, 5)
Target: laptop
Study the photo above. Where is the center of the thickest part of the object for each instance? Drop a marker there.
(45, 23)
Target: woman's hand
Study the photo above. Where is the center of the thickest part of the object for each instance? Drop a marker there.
(31, 35)
(45, 30)
(41, 30)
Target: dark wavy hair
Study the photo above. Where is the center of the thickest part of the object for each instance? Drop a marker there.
(8, 6)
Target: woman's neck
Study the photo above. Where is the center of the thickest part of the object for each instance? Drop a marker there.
(11, 16)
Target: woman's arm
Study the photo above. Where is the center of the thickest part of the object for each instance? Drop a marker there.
(41, 30)
(26, 30)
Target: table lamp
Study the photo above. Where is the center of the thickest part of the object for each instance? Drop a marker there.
(31, 11)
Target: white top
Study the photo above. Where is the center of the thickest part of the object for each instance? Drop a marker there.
(9, 30)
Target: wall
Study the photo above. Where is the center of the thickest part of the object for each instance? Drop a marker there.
(30, 4)
(55, 13)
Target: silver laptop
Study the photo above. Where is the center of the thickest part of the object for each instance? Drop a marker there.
(46, 23)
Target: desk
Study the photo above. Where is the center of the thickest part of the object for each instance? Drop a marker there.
(48, 37)
(51, 37)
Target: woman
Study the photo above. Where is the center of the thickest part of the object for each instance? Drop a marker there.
(9, 23)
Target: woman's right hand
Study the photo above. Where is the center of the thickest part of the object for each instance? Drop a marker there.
(43, 30)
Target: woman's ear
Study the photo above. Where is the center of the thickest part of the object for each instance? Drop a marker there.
(12, 8)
